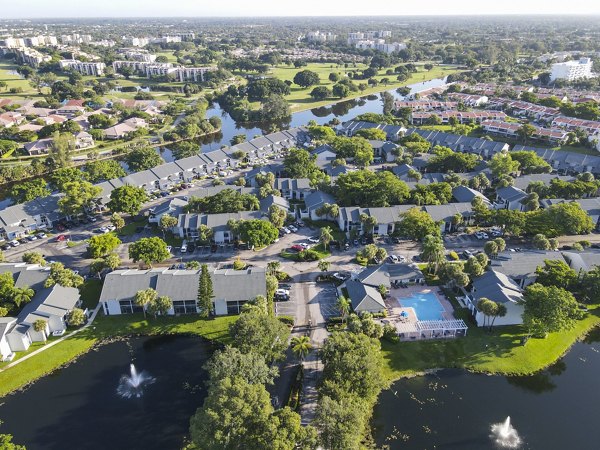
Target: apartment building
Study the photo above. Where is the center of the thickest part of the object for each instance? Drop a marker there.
(83, 67)
(572, 70)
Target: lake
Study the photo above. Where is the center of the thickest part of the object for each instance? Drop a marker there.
(454, 409)
(343, 111)
(78, 407)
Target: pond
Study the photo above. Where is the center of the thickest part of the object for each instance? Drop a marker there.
(454, 409)
(343, 111)
(78, 407)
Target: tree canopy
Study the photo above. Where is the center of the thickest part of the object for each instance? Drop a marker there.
(369, 189)
(225, 201)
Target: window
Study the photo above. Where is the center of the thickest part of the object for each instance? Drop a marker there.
(234, 307)
(129, 307)
(185, 306)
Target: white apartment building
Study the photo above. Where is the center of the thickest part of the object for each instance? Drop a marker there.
(354, 38)
(76, 38)
(137, 55)
(30, 56)
(84, 68)
(572, 70)
(31, 41)
(154, 69)
(138, 42)
(192, 73)
(380, 45)
(319, 36)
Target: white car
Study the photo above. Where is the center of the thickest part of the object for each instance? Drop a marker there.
(14, 243)
(169, 248)
(397, 259)
(314, 240)
(481, 235)
(104, 230)
(292, 228)
(111, 227)
(340, 276)
(286, 230)
(304, 245)
(282, 292)
(41, 235)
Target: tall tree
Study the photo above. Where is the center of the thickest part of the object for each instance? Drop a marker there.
(263, 334)
(80, 197)
(167, 222)
(144, 298)
(205, 292)
(326, 236)
(149, 251)
(433, 252)
(127, 199)
(549, 309)
(301, 346)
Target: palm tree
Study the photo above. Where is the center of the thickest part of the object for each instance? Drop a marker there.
(22, 295)
(343, 306)
(433, 252)
(326, 236)
(301, 346)
(143, 298)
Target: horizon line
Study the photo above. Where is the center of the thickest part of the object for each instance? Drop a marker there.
(504, 14)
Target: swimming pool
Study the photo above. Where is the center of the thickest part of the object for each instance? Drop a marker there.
(425, 304)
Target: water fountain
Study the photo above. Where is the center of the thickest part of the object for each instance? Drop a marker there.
(133, 385)
(505, 435)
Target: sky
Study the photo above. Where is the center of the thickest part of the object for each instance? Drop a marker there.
(253, 8)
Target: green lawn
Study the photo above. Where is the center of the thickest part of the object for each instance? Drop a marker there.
(15, 81)
(108, 327)
(129, 229)
(300, 98)
(500, 352)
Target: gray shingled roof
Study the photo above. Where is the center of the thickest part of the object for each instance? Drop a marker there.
(497, 287)
(183, 284)
(364, 298)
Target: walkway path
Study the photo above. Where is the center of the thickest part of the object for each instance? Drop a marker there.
(53, 343)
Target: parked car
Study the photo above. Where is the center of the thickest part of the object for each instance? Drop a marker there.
(41, 235)
(104, 229)
(32, 237)
(481, 235)
(304, 245)
(342, 276)
(314, 240)
(111, 227)
(292, 228)
(169, 248)
(299, 224)
(297, 247)
(61, 238)
(282, 292)
(91, 219)
(6, 247)
(184, 247)
(397, 259)
(191, 248)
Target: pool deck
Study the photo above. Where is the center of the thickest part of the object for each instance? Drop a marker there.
(407, 324)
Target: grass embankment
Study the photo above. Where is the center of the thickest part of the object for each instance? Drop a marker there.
(106, 328)
(15, 81)
(500, 352)
(301, 100)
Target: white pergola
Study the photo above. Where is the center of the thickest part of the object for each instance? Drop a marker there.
(441, 328)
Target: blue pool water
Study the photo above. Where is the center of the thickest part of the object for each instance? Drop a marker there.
(425, 304)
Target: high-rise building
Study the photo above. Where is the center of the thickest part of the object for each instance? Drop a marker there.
(572, 70)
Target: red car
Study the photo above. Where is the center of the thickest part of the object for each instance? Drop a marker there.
(297, 248)
(61, 238)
